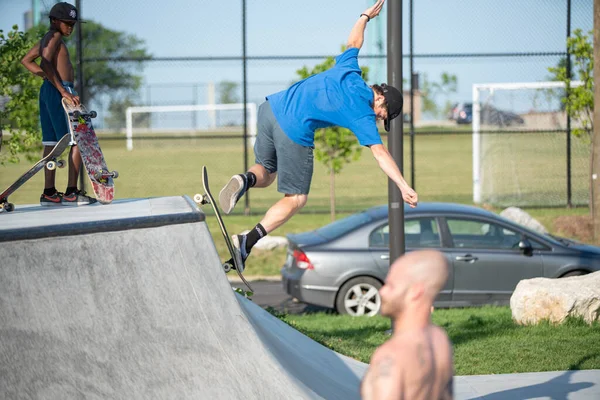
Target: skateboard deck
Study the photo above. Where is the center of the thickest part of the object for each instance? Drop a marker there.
(207, 198)
(50, 162)
(82, 131)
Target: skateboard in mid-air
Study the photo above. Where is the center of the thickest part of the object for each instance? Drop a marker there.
(82, 132)
(50, 162)
(207, 198)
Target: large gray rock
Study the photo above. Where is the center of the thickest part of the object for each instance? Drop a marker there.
(539, 299)
(521, 217)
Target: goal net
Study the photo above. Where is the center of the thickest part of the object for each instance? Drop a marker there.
(520, 149)
(200, 119)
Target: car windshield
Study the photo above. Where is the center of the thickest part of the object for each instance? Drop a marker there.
(563, 240)
(343, 226)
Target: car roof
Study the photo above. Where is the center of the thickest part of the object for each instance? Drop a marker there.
(381, 212)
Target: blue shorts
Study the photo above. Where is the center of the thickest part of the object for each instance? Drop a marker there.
(275, 151)
(52, 114)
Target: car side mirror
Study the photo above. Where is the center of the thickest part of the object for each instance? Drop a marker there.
(525, 246)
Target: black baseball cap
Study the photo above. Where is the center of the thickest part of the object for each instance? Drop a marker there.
(395, 101)
(64, 12)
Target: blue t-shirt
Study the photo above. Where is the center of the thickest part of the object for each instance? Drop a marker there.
(336, 97)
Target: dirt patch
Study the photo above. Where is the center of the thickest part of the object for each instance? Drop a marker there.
(578, 227)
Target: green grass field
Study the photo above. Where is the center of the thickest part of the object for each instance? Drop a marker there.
(485, 340)
(443, 169)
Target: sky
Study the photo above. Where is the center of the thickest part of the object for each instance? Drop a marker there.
(181, 28)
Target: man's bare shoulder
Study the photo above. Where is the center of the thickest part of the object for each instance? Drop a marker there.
(50, 37)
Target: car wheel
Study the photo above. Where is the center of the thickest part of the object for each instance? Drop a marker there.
(359, 296)
(574, 273)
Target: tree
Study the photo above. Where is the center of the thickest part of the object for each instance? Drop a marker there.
(228, 92)
(103, 73)
(549, 94)
(334, 146)
(447, 85)
(19, 94)
(579, 101)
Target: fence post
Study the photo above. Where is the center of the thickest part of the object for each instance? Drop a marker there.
(245, 101)
(568, 92)
(412, 101)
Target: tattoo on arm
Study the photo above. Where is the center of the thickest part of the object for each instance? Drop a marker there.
(421, 354)
(384, 367)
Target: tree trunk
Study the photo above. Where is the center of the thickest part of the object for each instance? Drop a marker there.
(596, 126)
(332, 194)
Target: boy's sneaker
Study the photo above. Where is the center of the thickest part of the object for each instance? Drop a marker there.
(49, 201)
(239, 246)
(232, 192)
(78, 198)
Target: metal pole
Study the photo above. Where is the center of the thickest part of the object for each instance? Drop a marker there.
(412, 101)
(568, 91)
(245, 100)
(35, 11)
(395, 136)
(80, 84)
(194, 102)
(595, 193)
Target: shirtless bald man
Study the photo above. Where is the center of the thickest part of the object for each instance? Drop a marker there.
(416, 363)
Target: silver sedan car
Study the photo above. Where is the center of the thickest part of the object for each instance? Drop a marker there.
(342, 265)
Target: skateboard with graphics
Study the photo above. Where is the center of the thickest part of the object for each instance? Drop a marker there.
(50, 162)
(82, 131)
(207, 198)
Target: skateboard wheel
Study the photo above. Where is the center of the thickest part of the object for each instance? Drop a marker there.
(51, 165)
(61, 163)
(115, 174)
(227, 267)
(198, 198)
(93, 114)
(76, 114)
(9, 207)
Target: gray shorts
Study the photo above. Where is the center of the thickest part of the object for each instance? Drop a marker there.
(275, 151)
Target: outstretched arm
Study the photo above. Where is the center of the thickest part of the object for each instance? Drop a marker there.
(388, 165)
(357, 35)
(29, 61)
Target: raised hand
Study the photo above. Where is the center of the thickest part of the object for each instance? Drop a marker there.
(375, 9)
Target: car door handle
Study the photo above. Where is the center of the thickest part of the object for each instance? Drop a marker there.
(467, 258)
(385, 256)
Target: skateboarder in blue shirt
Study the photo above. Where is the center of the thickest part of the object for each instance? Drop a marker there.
(286, 129)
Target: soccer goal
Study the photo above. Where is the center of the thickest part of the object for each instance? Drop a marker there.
(198, 119)
(519, 145)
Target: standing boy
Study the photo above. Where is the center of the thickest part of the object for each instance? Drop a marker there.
(56, 69)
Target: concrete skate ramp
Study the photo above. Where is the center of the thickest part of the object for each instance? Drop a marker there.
(145, 313)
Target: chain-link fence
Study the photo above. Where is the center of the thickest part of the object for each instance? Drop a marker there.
(195, 56)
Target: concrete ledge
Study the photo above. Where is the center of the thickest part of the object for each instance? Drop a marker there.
(34, 221)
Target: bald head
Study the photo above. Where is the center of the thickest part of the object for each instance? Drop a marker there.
(426, 267)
